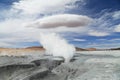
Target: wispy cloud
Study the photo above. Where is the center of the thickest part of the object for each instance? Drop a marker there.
(105, 24)
(104, 45)
(116, 15)
(79, 40)
(117, 28)
(98, 33)
(43, 6)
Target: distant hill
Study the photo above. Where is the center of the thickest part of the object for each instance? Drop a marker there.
(80, 49)
(40, 48)
(91, 49)
(35, 48)
(114, 49)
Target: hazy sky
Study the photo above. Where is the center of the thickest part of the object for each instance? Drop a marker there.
(84, 23)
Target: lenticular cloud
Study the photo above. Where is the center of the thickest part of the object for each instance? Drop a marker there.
(66, 20)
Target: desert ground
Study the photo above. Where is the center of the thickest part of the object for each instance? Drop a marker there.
(35, 65)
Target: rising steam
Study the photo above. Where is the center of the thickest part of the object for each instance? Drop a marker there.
(57, 46)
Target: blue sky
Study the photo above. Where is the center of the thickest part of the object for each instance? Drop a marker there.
(102, 32)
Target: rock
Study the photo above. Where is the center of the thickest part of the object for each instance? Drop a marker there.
(18, 66)
(30, 74)
(48, 63)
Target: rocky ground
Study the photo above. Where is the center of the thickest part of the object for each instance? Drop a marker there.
(83, 66)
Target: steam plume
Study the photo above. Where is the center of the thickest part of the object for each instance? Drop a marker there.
(57, 46)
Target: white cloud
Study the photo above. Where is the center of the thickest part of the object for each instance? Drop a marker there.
(117, 28)
(43, 6)
(103, 25)
(116, 15)
(98, 33)
(25, 12)
(104, 45)
(12, 25)
(4, 44)
(67, 20)
(15, 32)
(79, 40)
(115, 39)
(102, 39)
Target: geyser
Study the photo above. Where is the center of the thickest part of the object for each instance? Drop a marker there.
(57, 46)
